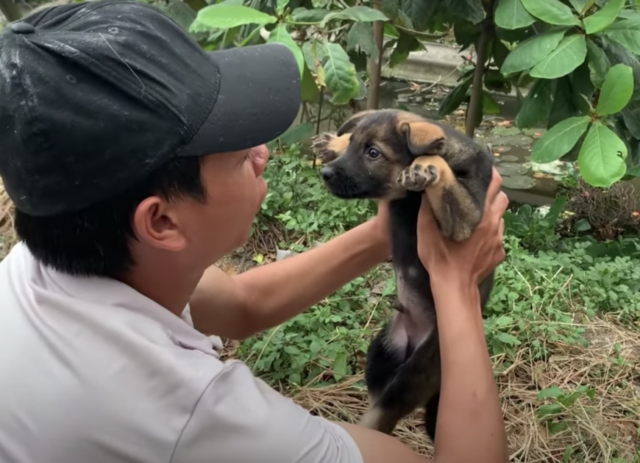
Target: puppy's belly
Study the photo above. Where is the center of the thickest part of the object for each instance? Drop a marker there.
(412, 326)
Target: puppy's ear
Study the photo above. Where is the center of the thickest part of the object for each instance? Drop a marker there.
(423, 138)
(351, 123)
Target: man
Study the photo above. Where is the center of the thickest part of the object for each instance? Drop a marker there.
(134, 160)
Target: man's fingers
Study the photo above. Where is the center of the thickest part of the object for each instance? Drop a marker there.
(426, 220)
(494, 186)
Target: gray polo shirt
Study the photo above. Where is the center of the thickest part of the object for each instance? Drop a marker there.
(92, 371)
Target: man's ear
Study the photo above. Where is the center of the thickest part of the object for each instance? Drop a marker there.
(351, 123)
(157, 224)
(422, 138)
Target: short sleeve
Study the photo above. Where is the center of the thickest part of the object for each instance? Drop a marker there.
(240, 419)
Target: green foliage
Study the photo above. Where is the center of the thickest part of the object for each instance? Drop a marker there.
(585, 90)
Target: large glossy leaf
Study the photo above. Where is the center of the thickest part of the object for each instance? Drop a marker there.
(418, 11)
(551, 12)
(511, 14)
(535, 106)
(226, 16)
(602, 156)
(360, 36)
(455, 97)
(340, 74)
(604, 17)
(568, 55)
(314, 52)
(578, 5)
(405, 45)
(626, 33)
(532, 51)
(616, 90)
(356, 13)
(559, 140)
(471, 10)
(598, 63)
(281, 35)
(303, 15)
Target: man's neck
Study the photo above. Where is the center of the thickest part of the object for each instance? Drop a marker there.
(172, 289)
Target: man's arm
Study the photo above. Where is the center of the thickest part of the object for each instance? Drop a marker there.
(239, 306)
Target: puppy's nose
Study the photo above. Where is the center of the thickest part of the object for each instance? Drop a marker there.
(327, 173)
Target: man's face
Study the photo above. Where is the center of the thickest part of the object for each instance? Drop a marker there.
(236, 191)
(197, 234)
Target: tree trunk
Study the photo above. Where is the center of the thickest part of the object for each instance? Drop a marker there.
(375, 65)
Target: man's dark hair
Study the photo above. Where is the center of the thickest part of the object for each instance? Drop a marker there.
(95, 241)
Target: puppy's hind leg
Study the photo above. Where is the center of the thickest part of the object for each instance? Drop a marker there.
(456, 211)
(385, 356)
(431, 416)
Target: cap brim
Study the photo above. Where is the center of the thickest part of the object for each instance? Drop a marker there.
(258, 99)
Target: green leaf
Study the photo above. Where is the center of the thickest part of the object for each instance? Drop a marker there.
(405, 45)
(550, 409)
(418, 11)
(340, 365)
(390, 8)
(471, 10)
(535, 106)
(601, 160)
(511, 14)
(559, 140)
(281, 5)
(309, 90)
(626, 33)
(550, 392)
(617, 90)
(555, 428)
(578, 5)
(466, 33)
(356, 13)
(314, 51)
(507, 338)
(454, 98)
(340, 74)
(598, 62)
(226, 16)
(570, 53)
(530, 52)
(551, 12)
(281, 35)
(361, 36)
(298, 133)
(303, 15)
(603, 18)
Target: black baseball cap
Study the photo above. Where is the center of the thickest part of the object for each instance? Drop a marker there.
(94, 96)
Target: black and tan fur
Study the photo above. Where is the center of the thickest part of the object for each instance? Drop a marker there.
(396, 155)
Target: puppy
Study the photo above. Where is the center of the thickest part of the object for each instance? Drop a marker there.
(396, 155)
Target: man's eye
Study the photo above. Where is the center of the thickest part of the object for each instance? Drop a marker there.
(373, 153)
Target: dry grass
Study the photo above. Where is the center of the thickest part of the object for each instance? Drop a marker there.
(7, 235)
(600, 430)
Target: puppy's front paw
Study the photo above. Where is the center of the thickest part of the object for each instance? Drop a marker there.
(418, 177)
(320, 144)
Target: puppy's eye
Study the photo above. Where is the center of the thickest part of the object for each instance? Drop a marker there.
(373, 153)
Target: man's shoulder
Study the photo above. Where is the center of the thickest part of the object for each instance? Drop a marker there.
(241, 419)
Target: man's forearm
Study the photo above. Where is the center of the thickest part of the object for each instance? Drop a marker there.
(281, 290)
(240, 306)
(470, 423)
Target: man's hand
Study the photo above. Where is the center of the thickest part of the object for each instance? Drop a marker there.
(473, 259)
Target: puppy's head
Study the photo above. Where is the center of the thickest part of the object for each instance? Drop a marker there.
(382, 143)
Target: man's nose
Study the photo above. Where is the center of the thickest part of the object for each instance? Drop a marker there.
(259, 156)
